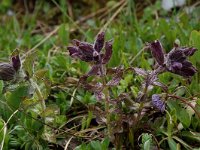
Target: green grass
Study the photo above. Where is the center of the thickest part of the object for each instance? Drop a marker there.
(71, 110)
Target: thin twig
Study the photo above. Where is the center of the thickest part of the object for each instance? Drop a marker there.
(138, 54)
(9, 119)
(4, 135)
(113, 17)
(111, 9)
(67, 144)
(184, 100)
(57, 28)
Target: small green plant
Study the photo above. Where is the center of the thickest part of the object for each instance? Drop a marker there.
(116, 94)
(175, 62)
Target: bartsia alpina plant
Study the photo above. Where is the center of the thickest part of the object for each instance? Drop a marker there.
(124, 111)
(92, 53)
(176, 60)
(8, 70)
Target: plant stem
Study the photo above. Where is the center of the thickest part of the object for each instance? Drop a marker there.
(106, 101)
(106, 93)
(184, 100)
(142, 103)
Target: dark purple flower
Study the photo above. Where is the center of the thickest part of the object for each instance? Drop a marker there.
(177, 61)
(98, 44)
(83, 51)
(7, 72)
(108, 53)
(188, 51)
(157, 51)
(16, 62)
(91, 52)
(95, 70)
(158, 103)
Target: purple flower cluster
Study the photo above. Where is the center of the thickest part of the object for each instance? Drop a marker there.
(176, 60)
(9, 70)
(158, 103)
(92, 52)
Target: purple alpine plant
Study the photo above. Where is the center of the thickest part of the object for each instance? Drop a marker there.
(92, 52)
(158, 103)
(176, 60)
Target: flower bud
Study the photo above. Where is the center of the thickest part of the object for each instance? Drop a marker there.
(16, 62)
(157, 52)
(7, 72)
(158, 103)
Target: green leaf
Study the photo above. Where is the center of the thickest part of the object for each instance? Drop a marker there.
(38, 126)
(63, 33)
(105, 144)
(28, 120)
(15, 98)
(147, 145)
(194, 41)
(172, 144)
(1, 86)
(181, 113)
(194, 38)
(83, 123)
(184, 117)
(1, 129)
(95, 145)
(89, 118)
(146, 141)
(192, 136)
(28, 63)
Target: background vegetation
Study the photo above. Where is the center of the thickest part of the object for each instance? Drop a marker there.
(71, 117)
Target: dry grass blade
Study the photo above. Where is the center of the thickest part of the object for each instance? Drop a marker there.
(4, 135)
(113, 16)
(89, 130)
(67, 144)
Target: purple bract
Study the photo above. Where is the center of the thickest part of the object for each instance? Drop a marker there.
(176, 60)
(92, 52)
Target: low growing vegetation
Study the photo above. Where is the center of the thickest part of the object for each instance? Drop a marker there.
(125, 76)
